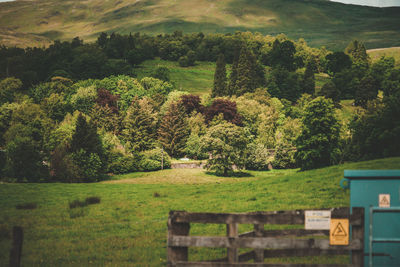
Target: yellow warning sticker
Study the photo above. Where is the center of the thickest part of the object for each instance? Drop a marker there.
(384, 200)
(339, 232)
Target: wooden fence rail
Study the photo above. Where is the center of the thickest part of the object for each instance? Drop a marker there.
(265, 243)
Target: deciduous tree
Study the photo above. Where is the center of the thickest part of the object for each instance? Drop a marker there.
(317, 145)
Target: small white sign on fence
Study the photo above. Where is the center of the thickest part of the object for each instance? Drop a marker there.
(317, 220)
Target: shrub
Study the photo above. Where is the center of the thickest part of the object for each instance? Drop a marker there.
(184, 61)
(258, 157)
(124, 164)
(151, 160)
(284, 158)
(90, 166)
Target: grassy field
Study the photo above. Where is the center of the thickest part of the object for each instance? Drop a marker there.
(376, 54)
(197, 79)
(128, 226)
(320, 22)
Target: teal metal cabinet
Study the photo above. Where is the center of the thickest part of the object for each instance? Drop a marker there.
(378, 191)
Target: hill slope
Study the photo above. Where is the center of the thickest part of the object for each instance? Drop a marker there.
(320, 22)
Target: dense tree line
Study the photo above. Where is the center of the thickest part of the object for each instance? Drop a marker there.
(63, 118)
(114, 54)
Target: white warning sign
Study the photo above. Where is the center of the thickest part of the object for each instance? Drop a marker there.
(317, 220)
(384, 200)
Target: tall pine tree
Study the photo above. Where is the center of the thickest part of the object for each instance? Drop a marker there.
(139, 125)
(234, 73)
(220, 84)
(173, 130)
(358, 53)
(246, 72)
(86, 137)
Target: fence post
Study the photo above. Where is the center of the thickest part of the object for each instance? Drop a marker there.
(232, 231)
(16, 250)
(176, 254)
(357, 256)
(258, 253)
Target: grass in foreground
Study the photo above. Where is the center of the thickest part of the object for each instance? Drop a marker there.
(129, 225)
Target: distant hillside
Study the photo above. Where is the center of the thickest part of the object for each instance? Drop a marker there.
(320, 22)
(376, 54)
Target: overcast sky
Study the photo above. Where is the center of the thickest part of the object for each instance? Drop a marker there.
(380, 3)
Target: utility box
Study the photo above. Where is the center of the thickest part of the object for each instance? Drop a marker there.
(378, 191)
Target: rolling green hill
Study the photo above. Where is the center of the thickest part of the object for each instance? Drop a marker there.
(129, 226)
(376, 54)
(320, 22)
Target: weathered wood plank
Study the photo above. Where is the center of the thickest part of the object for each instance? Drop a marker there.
(258, 253)
(242, 257)
(232, 232)
(16, 249)
(357, 257)
(264, 243)
(222, 264)
(279, 253)
(287, 217)
(177, 253)
(294, 232)
(271, 217)
(287, 232)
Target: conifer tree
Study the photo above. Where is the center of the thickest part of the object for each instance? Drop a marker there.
(366, 90)
(234, 73)
(173, 130)
(220, 83)
(139, 125)
(329, 90)
(86, 137)
(246, 72)
(358, 53)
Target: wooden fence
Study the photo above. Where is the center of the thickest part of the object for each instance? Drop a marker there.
(265, 243)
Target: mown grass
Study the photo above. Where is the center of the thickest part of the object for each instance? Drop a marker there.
(196, 79)
(128, 226)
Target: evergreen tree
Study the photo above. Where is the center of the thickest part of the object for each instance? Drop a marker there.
(309, 78)
(87, 151)
(317, 145)
(86, 137)
(329, 90)
(357, 51)
(220, 83)
(246, 72)
(139, 125)
(366, 90)
(234, 73)
(173, 130)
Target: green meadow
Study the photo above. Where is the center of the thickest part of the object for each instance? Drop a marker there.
(196, 79)
(376, 54)
(129, 225)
